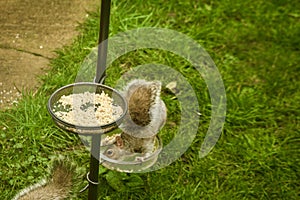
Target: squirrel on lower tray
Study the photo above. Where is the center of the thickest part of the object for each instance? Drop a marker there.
(146, 115)
(58, 187)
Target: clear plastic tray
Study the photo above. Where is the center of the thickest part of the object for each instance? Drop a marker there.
(134, 163)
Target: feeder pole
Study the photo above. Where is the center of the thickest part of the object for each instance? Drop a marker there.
(100, 76)
(103, 42)
(94, 167)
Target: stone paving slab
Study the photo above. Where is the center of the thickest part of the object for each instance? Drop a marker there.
(30, 31)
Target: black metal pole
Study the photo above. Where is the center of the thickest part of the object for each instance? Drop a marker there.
(94, 167)
(100, 76)
(103, 42)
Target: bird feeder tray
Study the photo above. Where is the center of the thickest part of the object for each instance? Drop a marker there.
(54, 107)
(134, 162)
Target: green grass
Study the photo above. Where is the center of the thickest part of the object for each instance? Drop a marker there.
(255, 45)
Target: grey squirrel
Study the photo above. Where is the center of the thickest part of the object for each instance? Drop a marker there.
(146, 115)
(58, 187)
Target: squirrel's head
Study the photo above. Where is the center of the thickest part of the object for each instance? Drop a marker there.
(115, 151)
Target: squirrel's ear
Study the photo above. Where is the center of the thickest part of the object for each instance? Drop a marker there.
(119, 141)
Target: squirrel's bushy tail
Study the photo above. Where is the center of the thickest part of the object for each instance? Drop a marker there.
(56, 188)
(146, 111)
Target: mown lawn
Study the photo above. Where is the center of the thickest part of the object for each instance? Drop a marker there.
(254, 44)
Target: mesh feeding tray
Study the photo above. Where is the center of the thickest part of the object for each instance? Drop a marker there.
(134, 162)
(87, 108)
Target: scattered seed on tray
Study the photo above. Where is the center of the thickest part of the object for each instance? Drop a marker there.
(87, 109)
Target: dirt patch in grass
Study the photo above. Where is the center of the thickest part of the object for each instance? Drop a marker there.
(30, 32)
